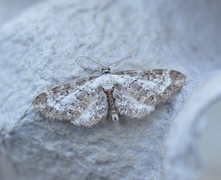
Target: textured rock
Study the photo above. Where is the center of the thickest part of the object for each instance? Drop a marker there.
(38, 51)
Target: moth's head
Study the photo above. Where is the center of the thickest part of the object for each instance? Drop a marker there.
(105, 70)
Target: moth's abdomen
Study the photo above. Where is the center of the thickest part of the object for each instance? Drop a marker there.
(111, 103)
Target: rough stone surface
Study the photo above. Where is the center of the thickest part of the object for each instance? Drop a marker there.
(38, 51)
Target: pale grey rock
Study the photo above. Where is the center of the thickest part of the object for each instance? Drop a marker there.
(38, 51)
(10, 9)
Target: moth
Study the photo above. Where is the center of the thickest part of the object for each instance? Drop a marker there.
(86, 101)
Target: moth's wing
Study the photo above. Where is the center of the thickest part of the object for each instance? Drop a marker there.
(142, 90)
(82, 102)
(96, 110)
(129, 106)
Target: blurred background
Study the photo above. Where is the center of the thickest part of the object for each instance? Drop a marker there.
(209, 141)
(210, 144)
(9, 9)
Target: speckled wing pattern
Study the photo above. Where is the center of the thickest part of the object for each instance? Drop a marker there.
(135, 94)
(138, 92)
(82, 102)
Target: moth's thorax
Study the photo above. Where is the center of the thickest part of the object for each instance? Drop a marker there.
(107, 81)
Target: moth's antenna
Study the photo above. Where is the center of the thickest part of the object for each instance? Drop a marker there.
(119, 61)
(90, 60)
